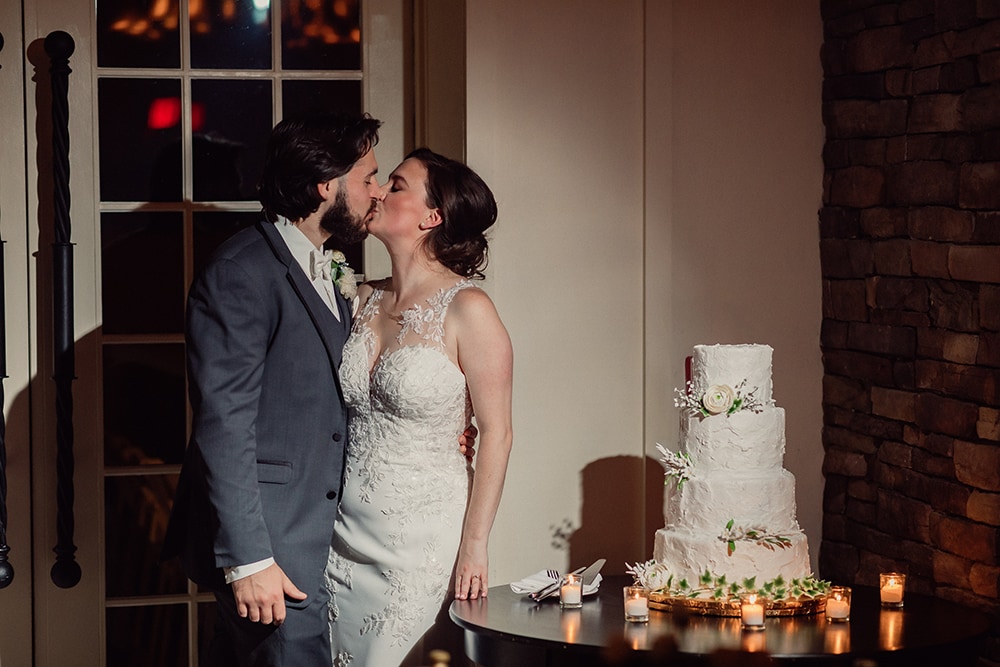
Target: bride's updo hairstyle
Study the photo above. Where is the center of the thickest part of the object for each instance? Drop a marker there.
(467, 210)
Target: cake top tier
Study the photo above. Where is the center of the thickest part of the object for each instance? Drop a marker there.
(731, 365)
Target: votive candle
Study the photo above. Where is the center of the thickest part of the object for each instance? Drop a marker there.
(890, 588)
(571, 591)
(752, 612)
(838, 604)
(636, 604)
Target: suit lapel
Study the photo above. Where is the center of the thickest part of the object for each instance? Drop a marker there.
(331, 332)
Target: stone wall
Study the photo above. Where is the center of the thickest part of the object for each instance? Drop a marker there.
(910, 247)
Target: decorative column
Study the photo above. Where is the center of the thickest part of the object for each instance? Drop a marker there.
(66, 571)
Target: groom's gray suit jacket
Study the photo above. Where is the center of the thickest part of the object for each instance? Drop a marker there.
(263, 470)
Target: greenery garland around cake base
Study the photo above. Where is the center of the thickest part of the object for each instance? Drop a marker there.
(716, 595)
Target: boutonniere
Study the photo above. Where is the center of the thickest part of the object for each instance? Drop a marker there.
(343, 275)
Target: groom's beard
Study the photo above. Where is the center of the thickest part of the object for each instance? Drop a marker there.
(345, 226)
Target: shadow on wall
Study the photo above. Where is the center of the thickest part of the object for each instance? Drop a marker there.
(622, 509)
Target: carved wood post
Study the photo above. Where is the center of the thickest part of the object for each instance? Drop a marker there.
(66, 571)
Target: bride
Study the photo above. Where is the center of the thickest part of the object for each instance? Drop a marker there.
(427, 351)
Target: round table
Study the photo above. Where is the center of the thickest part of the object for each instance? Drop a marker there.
(509, 629)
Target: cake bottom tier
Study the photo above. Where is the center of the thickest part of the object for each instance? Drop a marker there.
(688, 556)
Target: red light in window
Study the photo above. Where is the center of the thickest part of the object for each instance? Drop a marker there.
(197, 116)
(165, 112)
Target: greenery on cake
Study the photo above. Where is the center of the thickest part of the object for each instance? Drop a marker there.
(678, 466)
(654, 576)
(717, 399)
(755, 534)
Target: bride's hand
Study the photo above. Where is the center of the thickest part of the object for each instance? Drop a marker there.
(470, 573)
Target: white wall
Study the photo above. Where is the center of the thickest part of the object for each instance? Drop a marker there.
(658, 170)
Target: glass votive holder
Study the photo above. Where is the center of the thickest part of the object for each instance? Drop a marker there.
(571, 592)
(890, 589)
(838, 604)
(636, 604)
(752, 611)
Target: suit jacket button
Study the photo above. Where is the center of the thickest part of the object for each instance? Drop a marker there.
(336, 437)
(330, 495)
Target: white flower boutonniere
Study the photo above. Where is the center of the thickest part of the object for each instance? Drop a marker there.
(343, 275)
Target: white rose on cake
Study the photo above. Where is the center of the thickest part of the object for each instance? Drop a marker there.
(718, 399)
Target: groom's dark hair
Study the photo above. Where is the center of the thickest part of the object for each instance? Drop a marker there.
(303, 152)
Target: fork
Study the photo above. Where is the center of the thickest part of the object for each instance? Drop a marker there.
(552, 574)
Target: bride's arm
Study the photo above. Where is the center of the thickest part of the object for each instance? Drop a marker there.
(485, 356)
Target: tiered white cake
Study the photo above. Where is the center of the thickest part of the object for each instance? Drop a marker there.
(729, 505)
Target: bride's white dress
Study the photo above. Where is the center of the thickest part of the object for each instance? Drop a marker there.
(406, 485)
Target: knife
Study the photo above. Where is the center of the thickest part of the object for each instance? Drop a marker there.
(587, 574)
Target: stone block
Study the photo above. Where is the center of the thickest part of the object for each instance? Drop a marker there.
(915, 9)
(979, 185)
(862, 490)
(848, 464)
(936, 466)
(847, 119)
(984, 507)
(833, 56)
(989, 307)
(922, 183)
(953, 305)
(896, 454)
(987, 228)
(960, 348)
(875, 427)
(929, 260)
(858, 187)
(989, 67)
(985, 580)
(923, 81)
(880, 48)
(884, 222)
(894, 404)
(980, 107)
(833, 334)
(941, 223)
(988, 425)
(847, 300)
(965, 538)
(846, 258)
(898, 83)
(859, 512)
(890, 341)
(970, 383)
(869, 86)
(837, 222)
(845, 393)
(958, 75)
(934, 113)
(978, 465)
(892, 257)
(901, 293)
(946, 415)
(988, 9)
(979, 264)
(899, 319)
(866, 152)
(934, 49)
(904, 517)
(951, 569)
(849, 442)
(989, 352)
(848, 363)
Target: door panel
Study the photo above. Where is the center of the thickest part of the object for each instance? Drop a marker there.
(162, 170)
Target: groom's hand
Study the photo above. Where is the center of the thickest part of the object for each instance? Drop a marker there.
(467, 442)
(260, 597)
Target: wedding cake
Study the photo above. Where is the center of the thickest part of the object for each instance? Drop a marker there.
(729, 505)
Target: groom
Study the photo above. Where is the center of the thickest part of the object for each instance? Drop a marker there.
(257, 496)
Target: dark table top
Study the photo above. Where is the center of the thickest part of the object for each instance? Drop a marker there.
(507, 628)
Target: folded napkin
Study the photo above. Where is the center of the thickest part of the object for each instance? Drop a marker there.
(539, 580)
